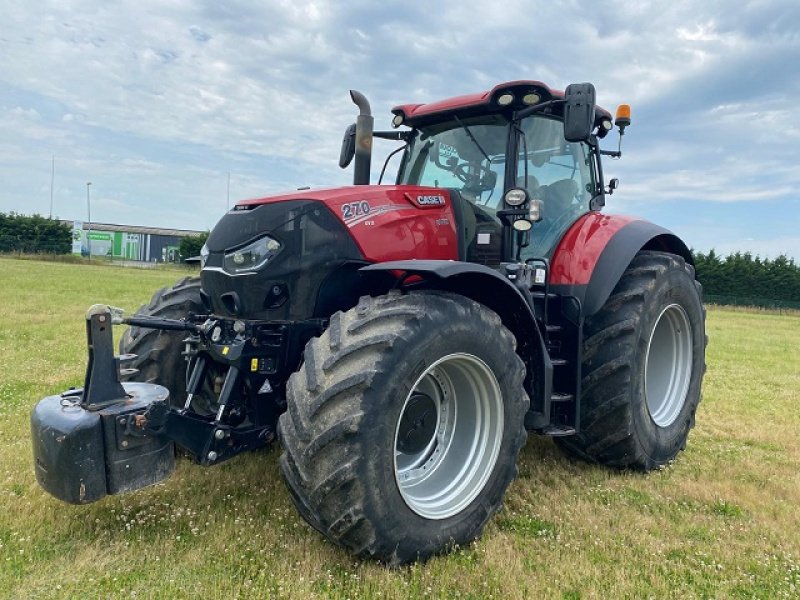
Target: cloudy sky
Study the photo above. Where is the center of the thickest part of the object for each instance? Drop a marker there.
(156, 102)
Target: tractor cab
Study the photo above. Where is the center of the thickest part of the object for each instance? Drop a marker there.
(470, 157)
(519, 136)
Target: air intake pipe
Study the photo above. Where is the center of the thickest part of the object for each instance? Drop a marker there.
(363, 153)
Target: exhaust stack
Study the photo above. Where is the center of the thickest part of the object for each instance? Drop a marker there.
(363, 150)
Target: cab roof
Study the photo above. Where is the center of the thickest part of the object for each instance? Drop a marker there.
(483, 103)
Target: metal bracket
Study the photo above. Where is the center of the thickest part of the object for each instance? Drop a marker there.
(102, 386)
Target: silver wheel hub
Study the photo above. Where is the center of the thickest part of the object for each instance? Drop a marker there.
(448, 436)
(668, 365)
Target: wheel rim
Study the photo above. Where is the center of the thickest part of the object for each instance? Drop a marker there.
(448, 436)
(668, 365)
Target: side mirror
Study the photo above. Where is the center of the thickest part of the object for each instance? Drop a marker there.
(579, 112)
(348, 146)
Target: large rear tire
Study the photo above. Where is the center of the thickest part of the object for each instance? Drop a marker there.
(159, 353)
(643, 365)
(404, 424)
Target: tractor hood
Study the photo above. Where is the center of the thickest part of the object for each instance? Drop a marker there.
(273, 257)
(387, 222)
(341, 195)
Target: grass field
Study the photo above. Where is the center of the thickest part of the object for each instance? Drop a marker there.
(723, 521)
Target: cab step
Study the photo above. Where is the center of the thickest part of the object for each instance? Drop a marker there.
(557, 430)
(542, 295)
(558, 397)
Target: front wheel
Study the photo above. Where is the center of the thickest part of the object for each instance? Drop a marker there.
(643, 365)
(159, 353)
(404, 425)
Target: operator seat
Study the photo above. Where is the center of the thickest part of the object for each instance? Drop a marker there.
(533, 184)
(559, 198)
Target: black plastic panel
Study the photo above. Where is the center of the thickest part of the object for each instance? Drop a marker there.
(315, 245)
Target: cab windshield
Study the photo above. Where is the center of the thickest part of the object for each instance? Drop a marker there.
(469, 155)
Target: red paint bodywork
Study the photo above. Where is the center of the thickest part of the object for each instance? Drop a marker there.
(396, 226)
(413, 112)
(579, 250)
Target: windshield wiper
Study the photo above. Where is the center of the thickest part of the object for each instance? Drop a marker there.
(472, 137)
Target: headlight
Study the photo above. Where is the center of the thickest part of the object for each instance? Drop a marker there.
(203, 255)
(531, 98)
(251, 257)
(505, 99)
(516, 196)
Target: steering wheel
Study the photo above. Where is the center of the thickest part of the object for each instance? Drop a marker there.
(463, 175)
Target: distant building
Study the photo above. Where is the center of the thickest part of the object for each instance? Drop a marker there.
(128, 242)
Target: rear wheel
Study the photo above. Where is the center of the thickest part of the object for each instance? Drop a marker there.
(404, 425)
(643, 365)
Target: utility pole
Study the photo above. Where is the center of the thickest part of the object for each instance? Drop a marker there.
(89, 225)
(52, 180)
(228, 198)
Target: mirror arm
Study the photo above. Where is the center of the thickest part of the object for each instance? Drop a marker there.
(526, 112)
(398, 136)
(388, 158)
(614, 153)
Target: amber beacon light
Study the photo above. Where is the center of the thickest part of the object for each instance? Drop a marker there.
(623, 117)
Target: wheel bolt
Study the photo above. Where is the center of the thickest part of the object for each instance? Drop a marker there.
(212, 456)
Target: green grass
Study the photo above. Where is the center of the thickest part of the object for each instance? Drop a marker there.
(722, 521)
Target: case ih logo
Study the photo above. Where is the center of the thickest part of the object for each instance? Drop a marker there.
(430, 200)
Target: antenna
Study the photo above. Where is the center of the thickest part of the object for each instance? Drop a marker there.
(52, 180)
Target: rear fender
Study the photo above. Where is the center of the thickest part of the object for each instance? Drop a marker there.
(490, 288)
(594, 253)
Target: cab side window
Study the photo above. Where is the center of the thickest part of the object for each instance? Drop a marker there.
(556, 172)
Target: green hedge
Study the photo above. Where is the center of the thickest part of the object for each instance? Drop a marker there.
(744, 280)
(34, 235)
(191, 244)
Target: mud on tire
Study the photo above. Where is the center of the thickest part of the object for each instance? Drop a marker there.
(643, 365)
(159, 353)
(341, 437)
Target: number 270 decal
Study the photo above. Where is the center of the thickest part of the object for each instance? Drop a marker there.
(352, 210)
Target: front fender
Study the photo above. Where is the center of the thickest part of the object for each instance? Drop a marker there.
(594, 253)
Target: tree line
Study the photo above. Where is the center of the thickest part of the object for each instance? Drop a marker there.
(190, 245)
(34, 234)
(741, 278)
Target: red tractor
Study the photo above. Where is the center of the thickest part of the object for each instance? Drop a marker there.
(402, 340)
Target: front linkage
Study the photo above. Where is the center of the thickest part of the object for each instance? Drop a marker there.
(111, 437)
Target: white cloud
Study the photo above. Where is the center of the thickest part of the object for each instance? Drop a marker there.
(157, 102)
